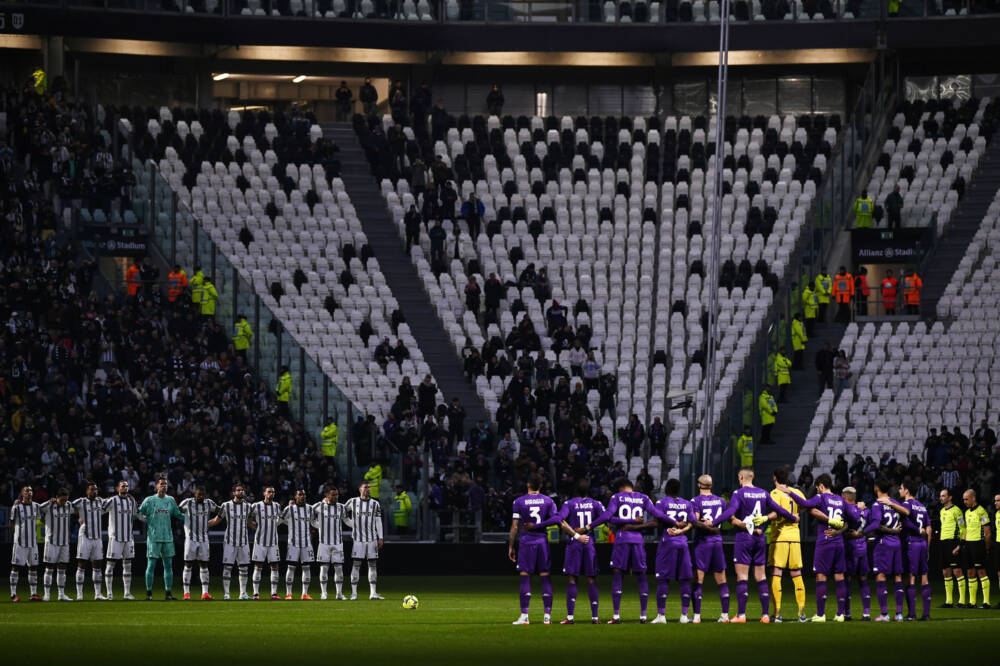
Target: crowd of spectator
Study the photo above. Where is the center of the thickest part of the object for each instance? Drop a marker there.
(105, 388)
(951, 460)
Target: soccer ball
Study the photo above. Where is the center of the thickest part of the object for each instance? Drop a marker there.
(410, 602)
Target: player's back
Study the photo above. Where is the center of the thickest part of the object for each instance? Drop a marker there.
(783, 529)
(707, 507)
(631, 506)
(581, 511)
(887, 517)
(835, 508)
(750, 501)
(679, 510)
(533, 508)
(919, 519)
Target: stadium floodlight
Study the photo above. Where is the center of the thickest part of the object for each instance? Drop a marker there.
(711, 334)
(299, 79)
(221, 77)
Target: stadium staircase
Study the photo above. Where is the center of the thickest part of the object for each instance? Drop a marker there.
(400, 275)
(795, 415)
(941, 264)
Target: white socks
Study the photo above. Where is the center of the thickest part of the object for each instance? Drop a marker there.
(355, 576)
(227, 577)
(372, 575)
(186, 578)
(256, 581)
(205, 578)
(289, 579)
(306, 578)
(244, 574)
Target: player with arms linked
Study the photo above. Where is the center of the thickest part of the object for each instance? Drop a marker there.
(917, 533)
(708, 555)
(746, 510)
(532, 557)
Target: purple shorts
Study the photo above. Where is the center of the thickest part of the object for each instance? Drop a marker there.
(580, 560)
(857, 558)
(533, 558)
(628, 557)
(673, 562)
(750, 550)
(829, 558)
(708, 557)
(888, 559)
(916, 558)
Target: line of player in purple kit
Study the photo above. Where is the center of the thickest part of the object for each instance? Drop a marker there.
(843, 526)
(842, 550)
(630, 512)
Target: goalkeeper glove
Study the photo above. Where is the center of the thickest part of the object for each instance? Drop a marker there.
(836, 523)
(759, 520)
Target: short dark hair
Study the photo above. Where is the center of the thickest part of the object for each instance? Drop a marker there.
(825, 480)
(883, 484)
(672, 487)
(238, 485)
(622, 483)
(781, 475)
(62, 491)
(535, 482)
(200, 488)
(88, 483)
(910, 485)
(583, 488)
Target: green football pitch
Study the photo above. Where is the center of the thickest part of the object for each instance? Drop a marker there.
(466, 620)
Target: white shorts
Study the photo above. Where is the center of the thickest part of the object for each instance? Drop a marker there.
(90, 550)
(269, 554)
(365, 550)
(296, 554)
(195, 551)
(56, 554)
(121, 550)
(24, 557)
(238, 554)
(330, 554)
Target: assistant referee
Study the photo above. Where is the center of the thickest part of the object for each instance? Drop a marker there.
(978, 538)
(952, 535)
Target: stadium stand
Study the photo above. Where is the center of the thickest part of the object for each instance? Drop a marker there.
(922, 373)
(603, 205)
(281, 215)
(103, 388)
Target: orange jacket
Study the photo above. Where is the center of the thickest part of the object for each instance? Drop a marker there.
(132, 280)
(911, 289)
(843, 287)
(176, 281)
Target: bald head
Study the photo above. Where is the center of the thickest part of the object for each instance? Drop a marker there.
(705, 482)
(970, 497)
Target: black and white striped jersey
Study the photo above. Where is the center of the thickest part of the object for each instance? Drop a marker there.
(25, 517)
(196, 517)
(90, 512)
(365, 518)
(267, 515)
(56, 519)
(329, 520)
(235, 514)
(299, 520)
(121, 511)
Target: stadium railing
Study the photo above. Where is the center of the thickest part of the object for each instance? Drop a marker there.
(555, 11)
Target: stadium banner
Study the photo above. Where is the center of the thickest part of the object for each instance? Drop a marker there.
(891, 246)
(116, 245)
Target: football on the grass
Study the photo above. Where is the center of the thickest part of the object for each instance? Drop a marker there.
(410, 602)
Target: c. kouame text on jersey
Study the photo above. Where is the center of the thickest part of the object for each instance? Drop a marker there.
(57, 531)
(365, 519)
(266, 515)
(196, 517)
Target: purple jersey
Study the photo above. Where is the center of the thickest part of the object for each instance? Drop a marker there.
(857, 520)
(749, 502)
(707, 507)
(679, 510)
(918, 520)
(831, 505)
(629, 507)
(533, 509)
(883, 516)
(579, 512)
